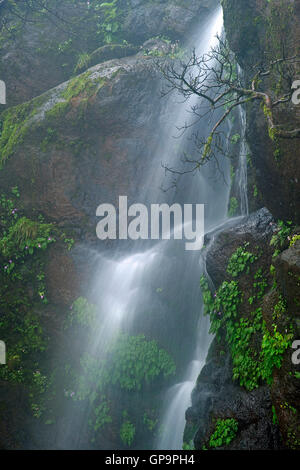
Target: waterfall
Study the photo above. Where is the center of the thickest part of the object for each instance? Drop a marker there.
(127, 279)
(178, 399)
(242, 167)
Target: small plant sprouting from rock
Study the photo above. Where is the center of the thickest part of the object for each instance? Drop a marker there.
(127, 431)
(240, 260)
(225, 431)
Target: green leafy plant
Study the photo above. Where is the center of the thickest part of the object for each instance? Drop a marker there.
(223, 306)
(135, 361)
(81, 313)
(235, 138)
(251, 365)
(282, 234)
(23, 246)
(130, 363)
(225, 431)
(240, 260)
(294, 239)
(127, 433)
(101, 415)
(233, 207)
(273, 347)
(110, 24)
(150, 422)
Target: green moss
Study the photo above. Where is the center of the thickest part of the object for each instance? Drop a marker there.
(18, 122)
(58, 111)
(15, 125)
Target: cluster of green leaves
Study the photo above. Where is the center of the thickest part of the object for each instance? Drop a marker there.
(127, 431)
(23, 246)
(110, 24)
(101, 415)
(247, 368)
(259, 285)
(294, 239)
(136, 361)
(131, 362)
(188, 446)
(223, 306)
(22, 243)
(273, 346)
(279, 309)
(281, 236)
(82, 313)
(233, 207)
(240, 260)
(38, 387)
(235, 138)
(149, 421)
(225, 431)
(255, 350)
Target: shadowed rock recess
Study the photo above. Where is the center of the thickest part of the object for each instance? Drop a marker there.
(83, 104)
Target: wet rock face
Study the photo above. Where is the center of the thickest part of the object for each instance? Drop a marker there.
(267, 415)
(215, 396)
(173, 18)
(275, 162)
(285, 390)
(88, 141)
(288, 276)
(45, 52)
(259, 227)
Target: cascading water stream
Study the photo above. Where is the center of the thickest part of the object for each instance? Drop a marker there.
(178, 398)
(125, 280)
(242, 168)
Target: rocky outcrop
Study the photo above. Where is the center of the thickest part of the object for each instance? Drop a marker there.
(216, 397)
(288, 275)
(50, 48)
(173, 18)
(264, 27)
(258, 226)
(93, 132)
(267, 414)
(285, 389)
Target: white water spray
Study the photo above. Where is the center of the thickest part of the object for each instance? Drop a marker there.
(178, 398)
(124, 283)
